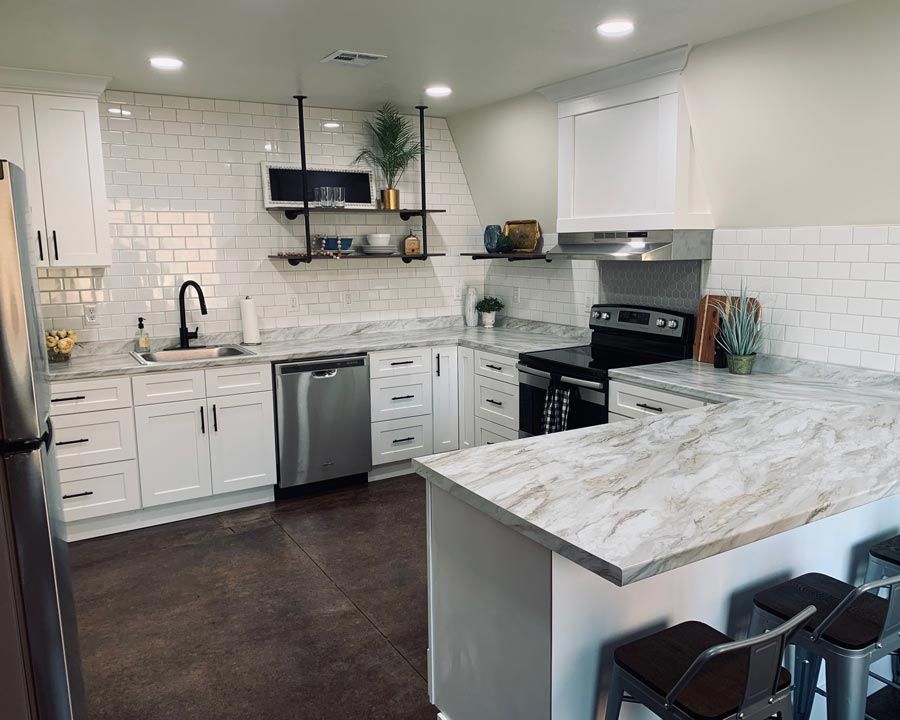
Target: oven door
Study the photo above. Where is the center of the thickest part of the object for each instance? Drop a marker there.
(587, 408)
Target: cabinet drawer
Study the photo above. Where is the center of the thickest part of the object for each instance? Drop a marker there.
(155, 388)
(499, 367)
(238, 380)
(497, 401)
(490, 433)
(402, 439)
(391, 363)
(635, 401)
(93, 438)
(401, 397)
(100, 490)
(75, 396)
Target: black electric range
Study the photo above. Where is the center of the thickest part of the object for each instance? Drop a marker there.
(622, 336)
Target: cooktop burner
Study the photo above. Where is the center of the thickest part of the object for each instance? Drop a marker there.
(588, 360)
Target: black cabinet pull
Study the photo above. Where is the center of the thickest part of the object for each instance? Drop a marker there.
(55, 246)
(400, 440)
(72, 442)
(202, 421)
(493, 402)
(81, 494)
(66, 399)
(403, 397)
(215, 419)
(498, 368)
(438, 358)
(489, 443)
(402, 362)
(40, 247)
(649, 407)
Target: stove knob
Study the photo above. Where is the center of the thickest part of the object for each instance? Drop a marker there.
(673, 324)
(604, 316)
(660, 322)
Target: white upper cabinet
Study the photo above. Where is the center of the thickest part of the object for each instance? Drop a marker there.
(626, 151)
(68, 133)
(50, 127)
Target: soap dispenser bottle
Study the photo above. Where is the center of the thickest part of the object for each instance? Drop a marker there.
(141, 337)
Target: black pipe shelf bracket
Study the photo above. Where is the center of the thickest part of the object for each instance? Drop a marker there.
(303, 177)
(422, 213)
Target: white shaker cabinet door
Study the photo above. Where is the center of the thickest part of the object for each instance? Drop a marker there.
(445, 398)
(74, 190)
(242, 441)
(18, 144)
(466, 358)
(173, 451)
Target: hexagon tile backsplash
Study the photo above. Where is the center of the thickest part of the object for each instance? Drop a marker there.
(671, 285)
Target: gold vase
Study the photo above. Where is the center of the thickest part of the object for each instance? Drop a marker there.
(390, 199)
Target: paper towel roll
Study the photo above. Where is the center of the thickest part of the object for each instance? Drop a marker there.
(249, 321)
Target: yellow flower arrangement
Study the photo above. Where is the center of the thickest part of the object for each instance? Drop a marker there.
(60, 344)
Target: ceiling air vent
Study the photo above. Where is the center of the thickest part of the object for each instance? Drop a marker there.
(353, 58)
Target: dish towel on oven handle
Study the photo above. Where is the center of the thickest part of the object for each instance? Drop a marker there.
(555, 417)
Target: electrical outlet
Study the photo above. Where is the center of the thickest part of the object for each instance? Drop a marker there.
(458, 292)
(293, 302)
(90, 315)
(348, 298)
(517, 295)
(588, 302)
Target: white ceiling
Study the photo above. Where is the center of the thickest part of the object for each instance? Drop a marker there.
(266, 50)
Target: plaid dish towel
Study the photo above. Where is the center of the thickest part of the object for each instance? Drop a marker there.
(555, 417)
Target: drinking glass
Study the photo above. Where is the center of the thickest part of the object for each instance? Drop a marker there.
(317, 195)
(327, 197)
(338, 196)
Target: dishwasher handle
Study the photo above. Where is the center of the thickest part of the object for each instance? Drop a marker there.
(322, 367)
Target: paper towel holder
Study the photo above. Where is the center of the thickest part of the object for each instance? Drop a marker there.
(244, 328)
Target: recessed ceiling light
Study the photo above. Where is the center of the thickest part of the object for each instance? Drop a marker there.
(331, 125)
(616, 28)
(437, 91)
(166, 63)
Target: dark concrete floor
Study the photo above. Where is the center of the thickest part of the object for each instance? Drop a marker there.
(310, 609)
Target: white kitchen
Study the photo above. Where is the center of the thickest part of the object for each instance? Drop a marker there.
(461, 362)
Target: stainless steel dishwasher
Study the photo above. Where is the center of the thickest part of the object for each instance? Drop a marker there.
(324, 426)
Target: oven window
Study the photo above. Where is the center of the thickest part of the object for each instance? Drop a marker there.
(582, 413)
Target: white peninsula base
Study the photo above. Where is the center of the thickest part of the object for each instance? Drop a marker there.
(518, 631)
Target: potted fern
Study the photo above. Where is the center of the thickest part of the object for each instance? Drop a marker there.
(488, 307)
(393, 148)
(740, 331)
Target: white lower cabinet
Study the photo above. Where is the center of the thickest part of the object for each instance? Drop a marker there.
(445, 403)
(497, 401)
(401, 439)
(466, 397)
(173, 452)
(242, 442)
(636, 401)
(490, 433)
(97, 490)
(92, 438)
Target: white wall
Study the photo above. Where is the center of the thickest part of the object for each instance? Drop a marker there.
(183, 179)
(828, 293)
(796, 124)
(508, 150)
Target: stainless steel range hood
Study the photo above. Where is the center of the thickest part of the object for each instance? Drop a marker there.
(651, 245)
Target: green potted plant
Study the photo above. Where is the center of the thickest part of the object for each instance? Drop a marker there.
(392, 149)
(488, 307)
(740, 331)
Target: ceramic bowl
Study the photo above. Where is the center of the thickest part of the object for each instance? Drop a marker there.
(345, 243)
(378, 239)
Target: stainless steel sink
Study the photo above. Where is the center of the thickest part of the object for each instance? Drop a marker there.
(177, 355)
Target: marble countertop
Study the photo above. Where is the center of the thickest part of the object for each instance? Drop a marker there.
(633, 499)
(500, 340)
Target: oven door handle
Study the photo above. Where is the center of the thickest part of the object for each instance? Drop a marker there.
(565, 379)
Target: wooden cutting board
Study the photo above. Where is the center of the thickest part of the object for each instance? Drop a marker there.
(708, 327)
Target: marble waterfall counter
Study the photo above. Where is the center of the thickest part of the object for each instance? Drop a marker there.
(547, 552)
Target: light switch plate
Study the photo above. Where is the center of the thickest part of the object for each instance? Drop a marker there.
(517, 295)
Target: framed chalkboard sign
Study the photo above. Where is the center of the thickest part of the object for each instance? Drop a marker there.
(283, 187)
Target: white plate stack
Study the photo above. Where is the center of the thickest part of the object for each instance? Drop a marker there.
(378, 244)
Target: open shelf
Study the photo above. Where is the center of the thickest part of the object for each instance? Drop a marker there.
(295, 259)
(404, 213)
(512, 257)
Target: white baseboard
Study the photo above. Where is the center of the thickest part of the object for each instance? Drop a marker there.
(147, 517)
(395, 469)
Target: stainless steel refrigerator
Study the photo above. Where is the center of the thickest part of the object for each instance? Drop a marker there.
(40, 674)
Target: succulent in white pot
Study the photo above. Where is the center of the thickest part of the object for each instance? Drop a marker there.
(740, 330)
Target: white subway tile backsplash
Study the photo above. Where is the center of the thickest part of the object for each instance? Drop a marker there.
(830, 293)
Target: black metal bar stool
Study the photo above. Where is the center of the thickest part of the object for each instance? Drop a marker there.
(884, 562)
(851, 629)
(693, 672)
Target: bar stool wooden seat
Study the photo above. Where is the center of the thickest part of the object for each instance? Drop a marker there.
(694, 672)
(884, 561)
(851, 629)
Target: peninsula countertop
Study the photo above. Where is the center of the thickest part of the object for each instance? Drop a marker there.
(499, 340)
(634, 499)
